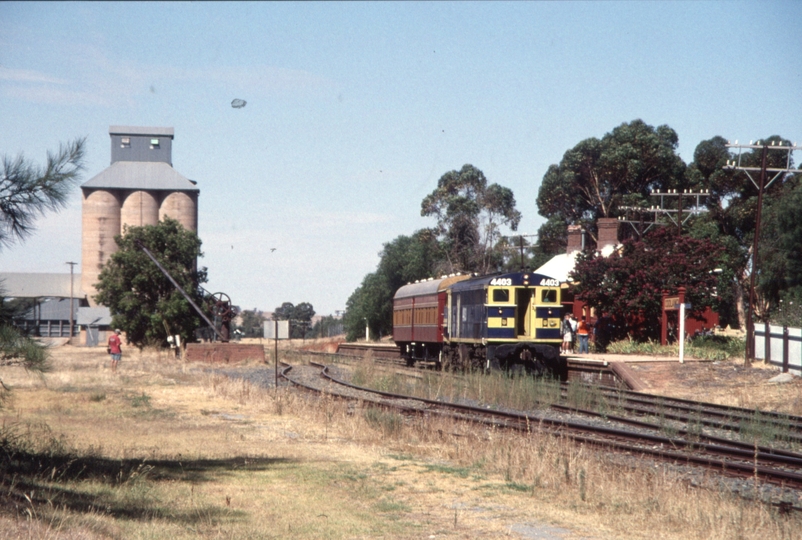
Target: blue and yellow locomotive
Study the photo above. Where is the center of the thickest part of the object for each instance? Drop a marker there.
(480, 322)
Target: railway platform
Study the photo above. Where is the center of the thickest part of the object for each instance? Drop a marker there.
(617, 364)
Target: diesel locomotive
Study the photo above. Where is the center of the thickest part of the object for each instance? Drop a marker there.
(507, 321)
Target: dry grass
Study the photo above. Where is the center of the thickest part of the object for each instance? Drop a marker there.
(169, 450)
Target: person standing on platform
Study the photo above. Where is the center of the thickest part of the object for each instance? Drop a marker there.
(574, 326)
(568, 335)
(583, 331)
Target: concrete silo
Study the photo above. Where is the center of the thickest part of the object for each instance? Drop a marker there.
(100, 223)
(181, 206)
(139, 208)
(140, 187)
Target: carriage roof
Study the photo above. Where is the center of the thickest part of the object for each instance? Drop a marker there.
(429, 286)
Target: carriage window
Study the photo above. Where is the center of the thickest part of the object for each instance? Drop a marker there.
(548, 296)
(501, 295)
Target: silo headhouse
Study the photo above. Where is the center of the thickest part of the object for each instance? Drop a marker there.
(140, 187)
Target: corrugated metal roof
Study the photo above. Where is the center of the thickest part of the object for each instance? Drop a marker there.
(94, 316)
(147, 175)
(53, 309)
(142, 130)
(39, 285)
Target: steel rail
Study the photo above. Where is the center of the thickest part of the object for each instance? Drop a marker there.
(751, 463)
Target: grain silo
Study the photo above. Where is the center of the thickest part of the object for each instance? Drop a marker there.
(139, 188)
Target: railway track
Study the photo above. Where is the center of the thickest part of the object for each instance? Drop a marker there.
(617, 434)
(721, 417)
(391, 354)
(686, 415)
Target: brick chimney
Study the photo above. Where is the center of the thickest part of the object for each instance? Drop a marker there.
(608, 232)
(574, 238)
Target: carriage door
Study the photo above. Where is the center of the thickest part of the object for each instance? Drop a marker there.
(523, 299)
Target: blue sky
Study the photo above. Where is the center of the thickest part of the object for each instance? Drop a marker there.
(354, 110)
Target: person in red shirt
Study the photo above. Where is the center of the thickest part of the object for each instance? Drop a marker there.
(115, 349)
(583, 331)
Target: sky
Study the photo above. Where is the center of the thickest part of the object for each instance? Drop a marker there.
(355, 110)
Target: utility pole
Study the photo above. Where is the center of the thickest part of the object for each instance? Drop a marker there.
(520, 246)
(761, 185)
(72, 310)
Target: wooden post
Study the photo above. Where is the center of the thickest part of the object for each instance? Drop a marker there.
(681, 325)
(785, 349)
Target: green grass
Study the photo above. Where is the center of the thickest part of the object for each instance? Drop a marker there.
(716, 348)
(142, 400)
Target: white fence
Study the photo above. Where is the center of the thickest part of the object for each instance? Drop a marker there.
(784, 346)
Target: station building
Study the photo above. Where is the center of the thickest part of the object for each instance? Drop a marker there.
(560, 267)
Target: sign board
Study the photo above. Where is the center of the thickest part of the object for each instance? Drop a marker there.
(283, 330)
(671, 302)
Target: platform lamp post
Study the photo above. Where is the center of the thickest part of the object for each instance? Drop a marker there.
(72, 310)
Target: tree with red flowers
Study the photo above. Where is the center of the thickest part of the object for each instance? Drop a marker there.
(629, 283)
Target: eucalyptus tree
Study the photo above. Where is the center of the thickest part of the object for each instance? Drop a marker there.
(732, 205)
(597, 176)
(404, 260)
(469, 215)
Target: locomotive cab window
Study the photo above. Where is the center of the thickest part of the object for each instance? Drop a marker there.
(548, 296)
(501, 296)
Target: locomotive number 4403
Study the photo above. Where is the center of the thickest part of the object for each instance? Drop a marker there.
(506, 282)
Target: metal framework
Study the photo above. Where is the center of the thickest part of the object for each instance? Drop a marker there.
(675, 215)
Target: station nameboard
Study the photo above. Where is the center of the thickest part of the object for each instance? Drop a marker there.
(671, 302)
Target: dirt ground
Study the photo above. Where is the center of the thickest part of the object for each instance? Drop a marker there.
(267, 467)
(725, 383)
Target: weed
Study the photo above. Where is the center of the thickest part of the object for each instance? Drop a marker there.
(515, 486)
(388, 423)
(142, 400)
(462, 472)
(97, 396)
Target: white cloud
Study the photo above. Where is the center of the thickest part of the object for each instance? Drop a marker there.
(28, 76)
